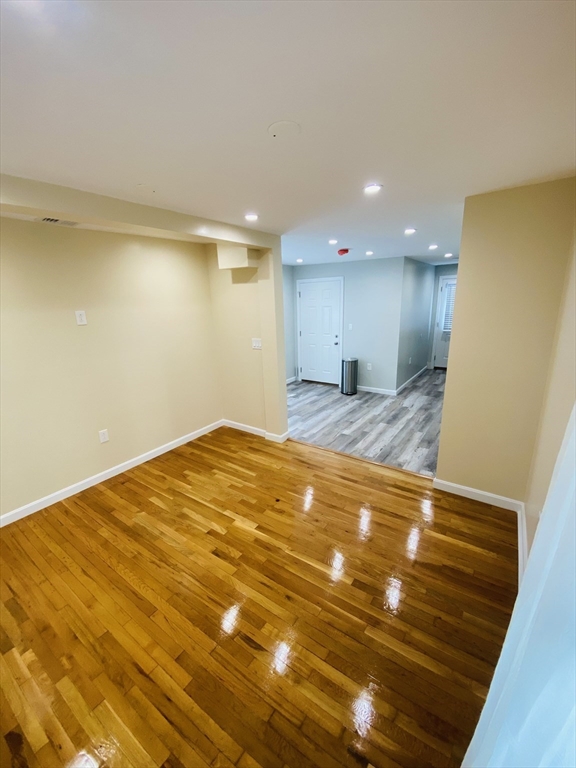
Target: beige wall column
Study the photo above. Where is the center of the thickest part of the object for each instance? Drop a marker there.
(559, 400)
(247, 304)
(515, 249)
(271, 301)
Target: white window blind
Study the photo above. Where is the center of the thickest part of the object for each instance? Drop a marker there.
(449, 307)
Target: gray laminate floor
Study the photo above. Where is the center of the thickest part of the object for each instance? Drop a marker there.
(401, 431)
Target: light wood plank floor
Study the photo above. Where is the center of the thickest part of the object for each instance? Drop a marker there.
(401, 431)
(241, 603)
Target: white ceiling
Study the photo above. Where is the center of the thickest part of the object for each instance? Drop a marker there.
(434, 100)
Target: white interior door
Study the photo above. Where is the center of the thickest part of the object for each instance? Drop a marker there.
(320, 329)
(443, 326)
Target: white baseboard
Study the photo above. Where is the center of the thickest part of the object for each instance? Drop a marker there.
(472, 493)
(71, 490)
(64, 493)
(522, 544)
(377, 391)
(496, 501)
(410, 380)
(291, 380)
(392, 392)
(244, 427)
(277, 438)
(256, 431)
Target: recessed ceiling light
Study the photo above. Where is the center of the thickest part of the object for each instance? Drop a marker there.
(371, 189)
(447, 255)
(251, 217)
(299, 261)
(369, 253)
(432, 247)
(332, 242)
(409, 231)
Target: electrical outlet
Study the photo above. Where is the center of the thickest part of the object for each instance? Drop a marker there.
(349, 326)
(409, 361)
(256, 343)
(81, 317)
(103, 435)
(369, 366)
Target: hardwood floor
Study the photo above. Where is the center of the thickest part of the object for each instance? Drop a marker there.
(236, 602)
(401, 431)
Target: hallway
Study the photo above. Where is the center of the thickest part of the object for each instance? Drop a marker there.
(401, 431)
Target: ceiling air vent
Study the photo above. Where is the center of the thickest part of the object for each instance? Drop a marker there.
(61, 222)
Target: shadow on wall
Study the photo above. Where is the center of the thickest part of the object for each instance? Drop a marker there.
(244, 275)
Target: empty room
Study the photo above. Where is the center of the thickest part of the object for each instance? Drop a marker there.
(288, 373)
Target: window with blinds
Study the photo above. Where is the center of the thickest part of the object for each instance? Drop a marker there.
(449, 307)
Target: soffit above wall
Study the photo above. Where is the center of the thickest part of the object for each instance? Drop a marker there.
(33, 201)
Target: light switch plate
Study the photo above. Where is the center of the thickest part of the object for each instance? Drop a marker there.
(103, 435)
(256, 343)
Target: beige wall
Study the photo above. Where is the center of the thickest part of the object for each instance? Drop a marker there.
(247, 304)
(558, 403)
(271, 302)
(142, 368)
(167, 350)
(236, 317)
(515, 249)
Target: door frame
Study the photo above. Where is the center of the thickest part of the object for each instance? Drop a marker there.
(441, 281)
(340, 279)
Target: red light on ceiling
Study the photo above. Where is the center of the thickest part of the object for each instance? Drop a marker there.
(343, 251)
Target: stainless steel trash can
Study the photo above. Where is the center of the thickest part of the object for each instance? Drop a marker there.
(349, 384)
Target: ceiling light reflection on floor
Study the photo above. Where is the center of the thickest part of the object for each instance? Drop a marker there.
(412, 543)
(363, 713)
(393, 595)
(308, 498)
(427, 510)
(83, 760)
(364, 523)
(281, 658)
(337, 564)
(230, 619)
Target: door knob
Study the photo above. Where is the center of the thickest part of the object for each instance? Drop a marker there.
(335, 343)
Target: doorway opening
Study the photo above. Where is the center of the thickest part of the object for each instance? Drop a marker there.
(442, 332)
(400, 328)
